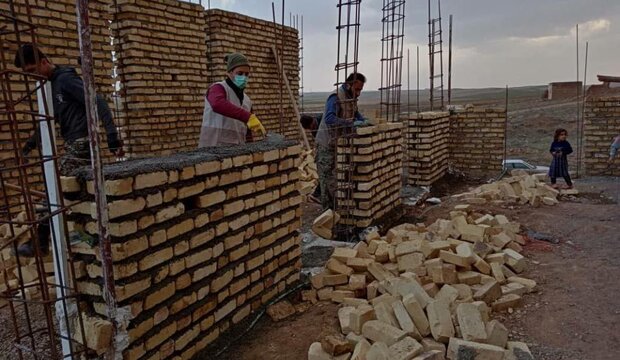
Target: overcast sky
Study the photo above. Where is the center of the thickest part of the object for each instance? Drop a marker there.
(495, 42)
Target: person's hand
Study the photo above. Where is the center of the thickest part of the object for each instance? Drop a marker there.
(255, 125)
(26, 150)
(361, 123)
(116, 146)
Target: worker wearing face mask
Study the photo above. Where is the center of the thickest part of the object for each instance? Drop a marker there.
(228, 117)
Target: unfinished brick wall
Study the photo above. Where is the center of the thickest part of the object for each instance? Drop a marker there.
(428, 134)
(371, 164)
(231, 32)
(602, 124)
(163, 68)
(57, 36)
(200, 240)
(477, 141)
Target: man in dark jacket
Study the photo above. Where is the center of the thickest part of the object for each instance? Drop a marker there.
(70, 112)
(69, 109)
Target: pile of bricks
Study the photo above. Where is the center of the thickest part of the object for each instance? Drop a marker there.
(477, 140)
(369, 170)
(602, 124)
(426, 292)
(163, 68)
(199, 241)
(521, 188)
(427, 146)
(231, 32)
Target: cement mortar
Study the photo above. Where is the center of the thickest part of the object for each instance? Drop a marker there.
(184, 159)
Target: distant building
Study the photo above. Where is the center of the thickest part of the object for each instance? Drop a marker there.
(610, 86)
(563, 90)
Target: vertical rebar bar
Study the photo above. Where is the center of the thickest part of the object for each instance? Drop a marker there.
(581, 152)
(450, 62)
(417, 51)
(90, 96)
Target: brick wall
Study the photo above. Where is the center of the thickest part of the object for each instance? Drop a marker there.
(602, 124)
(57, 36)
(564, 90)
(231, 32)
(428, 134)
(371, 164)
(163, 68)
(200, 240)
(477, 141)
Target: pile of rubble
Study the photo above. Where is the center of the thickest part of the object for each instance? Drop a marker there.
(10, 269)
(426, 292)
(309, 175)
(520, 188)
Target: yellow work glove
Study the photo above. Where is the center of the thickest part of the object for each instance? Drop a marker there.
(255, 125)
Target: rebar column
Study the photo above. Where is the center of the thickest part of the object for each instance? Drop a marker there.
(92, 118)
(392, 39)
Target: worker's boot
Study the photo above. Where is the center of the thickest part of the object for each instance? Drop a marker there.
(43, 237)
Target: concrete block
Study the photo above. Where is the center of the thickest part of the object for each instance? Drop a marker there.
(344, 317)
(497, 334)
(463, 349)
(416, 312)
(448, 294)
(507, 301)
(528, 283)
(385, 313)
(470, 323)
(143, 181)
(378, 351)
(336, 345)
(431, 355)
(343, 254)
(468, 277)
(440, 321)
(337, 267)
(429, 344)
(515, 261)
(360, 316)
(410, 262)
(316, 352)
(405, 349)
(488, 292)
(518, 351)
(357, 282)
(498, 273)
(378, 331)
(361, 350)
(404, 320)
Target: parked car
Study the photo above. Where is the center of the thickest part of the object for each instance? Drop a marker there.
(513, 164)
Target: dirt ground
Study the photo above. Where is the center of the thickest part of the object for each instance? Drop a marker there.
(575, 314)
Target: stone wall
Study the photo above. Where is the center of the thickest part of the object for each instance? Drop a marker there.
(370, 164)
(428, 134)
(231, 32)
(602, 124)
(477, 141)
(57, 36)
(200, 240)
(163, 68)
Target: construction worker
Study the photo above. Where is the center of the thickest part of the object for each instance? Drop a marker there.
(228, 118)
(69, 109)
(339, 118)
(613, 149)
(70, 112)
(312, 123)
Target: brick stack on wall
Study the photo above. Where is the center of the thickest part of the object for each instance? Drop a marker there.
(200, 240)
(370, 164)
(602, 124)
(477, 141)
(428, 134)
(57, 36)
(163, 68)
(231, 32)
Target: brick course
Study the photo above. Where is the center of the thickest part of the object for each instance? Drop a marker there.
(203, 267)
(602, 124)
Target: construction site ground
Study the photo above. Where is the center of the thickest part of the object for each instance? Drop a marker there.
(575, 314)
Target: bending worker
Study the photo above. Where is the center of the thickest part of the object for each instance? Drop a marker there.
(339, 118)
(69, 109)
(613, 149)
(228, 118)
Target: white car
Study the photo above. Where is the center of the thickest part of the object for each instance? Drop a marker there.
(514, 164)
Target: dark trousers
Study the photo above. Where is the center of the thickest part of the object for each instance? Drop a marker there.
(566, 178)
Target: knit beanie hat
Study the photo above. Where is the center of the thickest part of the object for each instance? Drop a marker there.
(235, 60)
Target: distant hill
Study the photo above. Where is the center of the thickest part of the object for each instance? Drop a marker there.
(314, 101)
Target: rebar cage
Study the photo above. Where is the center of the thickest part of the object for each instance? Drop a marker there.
(38, 292)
